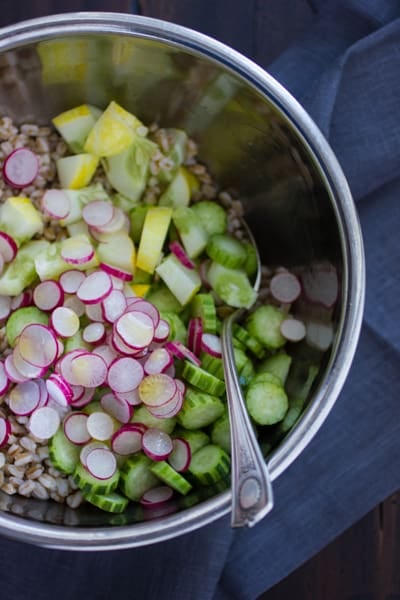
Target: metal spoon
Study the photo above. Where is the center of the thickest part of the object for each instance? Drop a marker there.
(252, 495)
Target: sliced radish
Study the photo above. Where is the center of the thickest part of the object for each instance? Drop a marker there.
(59, 389)
(44, 394)
(285, 287)
(293, 330)
(319, 335)
(23, 299)
(156, 390)
(211, 344)
(20, 168)
(71, 280)
(127, 440)
(181, 455)
(56, 204)
(75, 428)
(37, 344)
(195, 333)
(86, 369)
(24, 398)
(180, 386)
(44, 422)
(47, 295)
(158, 361)
(2, 263)
(116, 407)
(25, 368)
(94, 312)
(76, 305)
(8, 247)
(12, 372)
(117, 223)
(88, 448)
(162, 331)
(5, 307)
(63, 364)
(4, 381)
(169, 409)
(106, 352)
(100, 426)
(85, 399)
(157, 496)
(125, 374)
(157, 444)
(146, 307)
(64, 321)
(77, 250)
(5, 431)
(77, 392)
(98, 213)
(177, 249)
(119, 345)
(114, 305)
(321, 285)
(94, 333)
(131, 397)
(136, 329)
(116, 272)
(181, 351)
(95, 287)
(101, 463)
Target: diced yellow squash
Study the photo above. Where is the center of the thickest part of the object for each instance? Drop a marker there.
(20, 219)
(75, 124)
(76, 171)
(118, 250)
(155, 228)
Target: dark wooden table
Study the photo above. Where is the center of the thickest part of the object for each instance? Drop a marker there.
(361, 564)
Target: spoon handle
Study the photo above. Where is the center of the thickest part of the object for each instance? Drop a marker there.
(252, 496)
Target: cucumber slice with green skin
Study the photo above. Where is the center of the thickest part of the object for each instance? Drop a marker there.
(192, 233)
(137, 218)
(137, 477)
(278, 364)
(89, 484)
(212, 364)
(249, 341)
(266, 377)
(163, 298)
(212, 216)
(264, 324)
(178, 192)
(142, 415)
(221, 434)
(112, 502)
(231, 285)
(266, 402)
(226, 250)
(20, 318)
(203, 306)
(63, 454)
(210, 464)
(250, 265)
(199, 409)
(21, 272)
(203, 380)
(170, 477)
(184, 283)
(196, 438)
(177, 327)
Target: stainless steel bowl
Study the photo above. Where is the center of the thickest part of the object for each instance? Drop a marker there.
(257, 140)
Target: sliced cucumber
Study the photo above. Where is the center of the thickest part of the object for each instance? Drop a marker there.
(278, 364)
(203, 306)
(196, 438)
(169, 476)
(212, 216)
(63, 454)
(221, 434)
(249, 341)
(142, 415)
(231, 285)
(203, 380)
(226, 250)
(210, 464)
(163, 298)
(136, 476)
(112, 502)
(89, 484)
(192, 233)
(22, 317)
(199, 409)
(266, 402)
(264, 324)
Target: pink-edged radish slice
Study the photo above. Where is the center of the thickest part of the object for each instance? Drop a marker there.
(162, 331)
(85, 399)
(76, 305)
(116, 407)
(63, 364)
(101, 463)
(71, 280)
(47, 295)
(25, 368)
(44, 394)
(156, 390)
(119, 345)
(169, 409)
(118, 284)
(106, 352)
(5, 431)
(157, 444)
(157, 361)
(285, 287)
(116, 272)
(195, 333)
(95, 287)
(293, 330)
(23, 299)
(94, 312)
(64, 321)
(113, 306)
(87, 369)
(20, 168)
(136, 329)
(56, 204)
(4, 381)
(88, 448)
(127, 440)
(44, 422)
(146, 307)
(211, 344)
(181, 351)
(77, 250)
(131, 397)
(321, 285)
(37, 344)
(157, 496)
(2, 263)
(180, 386)
(12, 372)
(75, 428)
(8, 247)
(178, 250)
(180, 456)
(24, 398)
(94, 333)
(117, 223)
(5, 307)
(59, 389)
(98, 213)
(125, 374)
(100, 426)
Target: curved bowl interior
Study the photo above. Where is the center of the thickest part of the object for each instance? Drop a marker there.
(257, 141)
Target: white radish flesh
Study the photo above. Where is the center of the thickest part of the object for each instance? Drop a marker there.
(37, 345)
(85, 399)
(44, 422)
(156, 390)
(95, 287)
(5, 431)
(285, 287)
(76, 305)
(86, 369)
(181, 351)
(88, 448)
(44, 394)
(12, 372)
(25, 368)
(4, 381)
(114, 305)
(20, 168)
(75, 428)
(64, 321)
(94, 333)
(59, 389)
(5, 307)
(101, 463)
(47, 295)
(71, 280)
(116, 407)
(158, 361)
(56, 204)
(100, 426)
(157, 444)
(116, 272)
(136, 329)
(125, 374)
(8, 247)
(98, 213)
(180, 456)
(24, 398)
(157, 496)
(321, 285)
(127, 440)
(169, 409)
(293, 330)
(94, 312)
(145, 307)
(77, 251)
(131, 397)
(23, 299)
(162, 331)
(211, 344)
(106, 352)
